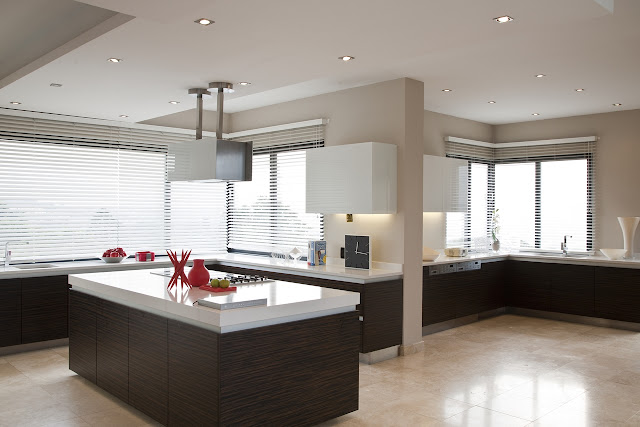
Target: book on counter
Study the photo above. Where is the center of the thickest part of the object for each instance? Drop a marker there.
(228, 302)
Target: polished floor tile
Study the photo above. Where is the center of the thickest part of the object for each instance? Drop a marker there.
(505, 371)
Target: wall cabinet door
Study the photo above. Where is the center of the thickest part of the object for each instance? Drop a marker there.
(352, 178)
(10, 312)
(113, 348)
(444, 184)
(82, 335)
(45, 309)
(617, 294)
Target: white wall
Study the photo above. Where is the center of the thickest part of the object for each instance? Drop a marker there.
(617, 162)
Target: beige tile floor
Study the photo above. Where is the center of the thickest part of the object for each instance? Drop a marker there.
(505, 371)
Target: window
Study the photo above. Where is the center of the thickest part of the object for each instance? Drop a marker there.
(66, 197)
(540, 191)
(268, 213)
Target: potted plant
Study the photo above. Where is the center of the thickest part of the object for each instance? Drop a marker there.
(495, 230)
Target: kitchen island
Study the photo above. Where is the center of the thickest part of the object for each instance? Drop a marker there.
(293, 361)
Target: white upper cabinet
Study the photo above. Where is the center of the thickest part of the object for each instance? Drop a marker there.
(354, 178)
(444, 184)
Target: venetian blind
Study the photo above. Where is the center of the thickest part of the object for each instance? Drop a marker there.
(543, 190)
(70, 190)
(268, 213)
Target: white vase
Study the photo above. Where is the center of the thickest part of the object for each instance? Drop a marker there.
(628, 225)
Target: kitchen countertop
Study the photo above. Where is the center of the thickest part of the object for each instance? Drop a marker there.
(593, 260)
(286, 301)
(334, 271)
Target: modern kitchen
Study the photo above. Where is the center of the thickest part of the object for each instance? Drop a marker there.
(285, 213)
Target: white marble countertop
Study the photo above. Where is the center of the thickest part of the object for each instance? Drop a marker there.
(286, 301)
(334, 270)
(597, 259)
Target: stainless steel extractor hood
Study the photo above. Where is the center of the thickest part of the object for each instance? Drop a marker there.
(210, 159)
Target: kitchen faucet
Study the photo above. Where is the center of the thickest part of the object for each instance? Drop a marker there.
(7, 252)
(563, 244)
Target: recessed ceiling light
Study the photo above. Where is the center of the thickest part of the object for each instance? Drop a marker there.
(346, 58)
(492, 102)
(579, 90)
(503, 19)
(447, 90)
(15, 103)
(204, 21)
(56, 85)
(244, 83)
(535, 114)
(541, 75)
(114, 60)
(617, 105)
(124, 116)
(174, 102)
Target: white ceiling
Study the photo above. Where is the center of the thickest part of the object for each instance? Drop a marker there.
(288, 49)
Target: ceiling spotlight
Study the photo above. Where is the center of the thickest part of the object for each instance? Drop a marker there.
(124, 116)
(174, 102)
(579, 90)
(204, 21)
(244, 83)
(15, 103)
(617, 105)
(114, 60)
(447, 90)
(492, 102)
(535, 114)
(541, 75)
(56, 85)
(346, 58)
(503, 19)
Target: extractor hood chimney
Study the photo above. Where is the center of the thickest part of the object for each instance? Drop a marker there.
(210, 159)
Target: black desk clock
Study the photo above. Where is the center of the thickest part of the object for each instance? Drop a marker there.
(357, 252)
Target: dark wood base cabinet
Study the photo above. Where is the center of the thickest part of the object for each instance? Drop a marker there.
(33, 309)
(454, 295)
(380, 304)
(299, 373)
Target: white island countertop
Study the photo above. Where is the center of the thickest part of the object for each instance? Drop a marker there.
(286, 301)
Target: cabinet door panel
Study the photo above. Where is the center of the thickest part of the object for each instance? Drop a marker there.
(529, 285)
(44, 308)
(10, 325)
(439, 295)
(572, 289)
(82, 335)
(194, 379)
(112, 348)
(617, 293)
(148, 364)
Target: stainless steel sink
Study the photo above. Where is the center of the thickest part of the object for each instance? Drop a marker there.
(30, 266)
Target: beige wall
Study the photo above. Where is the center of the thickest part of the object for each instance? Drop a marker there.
(617, 162)
(436, 127)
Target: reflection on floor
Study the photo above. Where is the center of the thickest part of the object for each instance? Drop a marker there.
(505, 371)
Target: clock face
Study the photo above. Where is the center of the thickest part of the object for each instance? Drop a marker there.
(356, 251)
